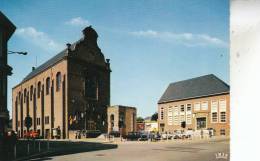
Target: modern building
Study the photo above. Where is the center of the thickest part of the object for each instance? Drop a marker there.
(121, 119)
(195, 104)
(69, 92)
(151, 126)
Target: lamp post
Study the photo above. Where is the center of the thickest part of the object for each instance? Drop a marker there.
(17, 52)
(7, 28)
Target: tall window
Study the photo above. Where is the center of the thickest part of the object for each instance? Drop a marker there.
(176, 115)
(222, 110)
(39, 89)
(214, 111)
(24, 93)
(31, 92)
(48, 85)
(161, 113)
(169, 115)
(47, 119)
(196, 106)
(58, 81)
(91, 87)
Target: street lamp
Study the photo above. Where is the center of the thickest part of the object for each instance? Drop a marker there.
(17, 52)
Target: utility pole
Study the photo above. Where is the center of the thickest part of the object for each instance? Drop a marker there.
(7, 28)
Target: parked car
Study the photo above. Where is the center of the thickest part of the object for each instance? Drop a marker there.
(91, 133)
(32, 135)
(143, 137)
(133, 136)
(166, 136)
(115, 133)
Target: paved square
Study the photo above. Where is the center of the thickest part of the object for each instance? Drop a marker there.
(159, 151)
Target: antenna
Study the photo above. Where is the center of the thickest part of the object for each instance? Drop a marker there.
(36, 61)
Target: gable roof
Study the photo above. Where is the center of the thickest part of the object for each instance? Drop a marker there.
(196, 87)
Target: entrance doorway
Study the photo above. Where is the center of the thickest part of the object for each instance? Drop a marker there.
(201, 123)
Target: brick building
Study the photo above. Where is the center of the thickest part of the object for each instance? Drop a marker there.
(121, 119)
(197, 103)
(70, 91)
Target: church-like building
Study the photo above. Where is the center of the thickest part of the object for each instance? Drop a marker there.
(69, 92)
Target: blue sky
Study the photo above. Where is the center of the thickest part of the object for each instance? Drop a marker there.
(150, 43)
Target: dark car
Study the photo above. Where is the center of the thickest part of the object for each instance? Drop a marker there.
(114, 133)
(143, 137)
(133, 136)
(91, 133)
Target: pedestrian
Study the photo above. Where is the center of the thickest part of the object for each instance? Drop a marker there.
(201, 134)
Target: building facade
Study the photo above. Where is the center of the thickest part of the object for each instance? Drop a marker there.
(195, 104)
(151, 126)
(69, 92)
(121, 119)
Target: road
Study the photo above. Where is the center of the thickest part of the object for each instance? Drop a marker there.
(159, 151)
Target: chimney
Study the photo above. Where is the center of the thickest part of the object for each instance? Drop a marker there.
(68, 46)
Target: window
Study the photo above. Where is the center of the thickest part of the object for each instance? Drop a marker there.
(161, 113)
(39, 89)
(24, 93)
(214, 106)
(222, 105)
(48, 85)
(182, 108)
(170, 116)
(188, 119)
(182, 118)
(58, 81)
(214, 111)
(222, 132)
(38, 121)
(222, 116)
(196, 106)
(176, 115)
(204, 106)
(31, 92)
(91, 87)
(214, 117)
(47, 119)
(188, 107)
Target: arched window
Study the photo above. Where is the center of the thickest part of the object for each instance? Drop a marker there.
(24, 93)
(48, 85)
(39, 89)
(112, 117)
(91, 87)
(31, 92)
(58, 81)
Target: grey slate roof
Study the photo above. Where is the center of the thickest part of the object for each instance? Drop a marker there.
(193, 88)
(50, 62)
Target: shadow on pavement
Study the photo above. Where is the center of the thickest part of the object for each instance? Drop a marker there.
(60, 148)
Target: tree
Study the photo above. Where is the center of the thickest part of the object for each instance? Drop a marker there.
(154, 116)
(139, 119)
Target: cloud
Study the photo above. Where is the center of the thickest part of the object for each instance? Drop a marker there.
(187, 39)
(39, 39)
(78, 21)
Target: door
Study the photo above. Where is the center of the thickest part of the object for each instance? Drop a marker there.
(201, 123)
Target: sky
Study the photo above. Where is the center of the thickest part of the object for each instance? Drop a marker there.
(150, 43)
